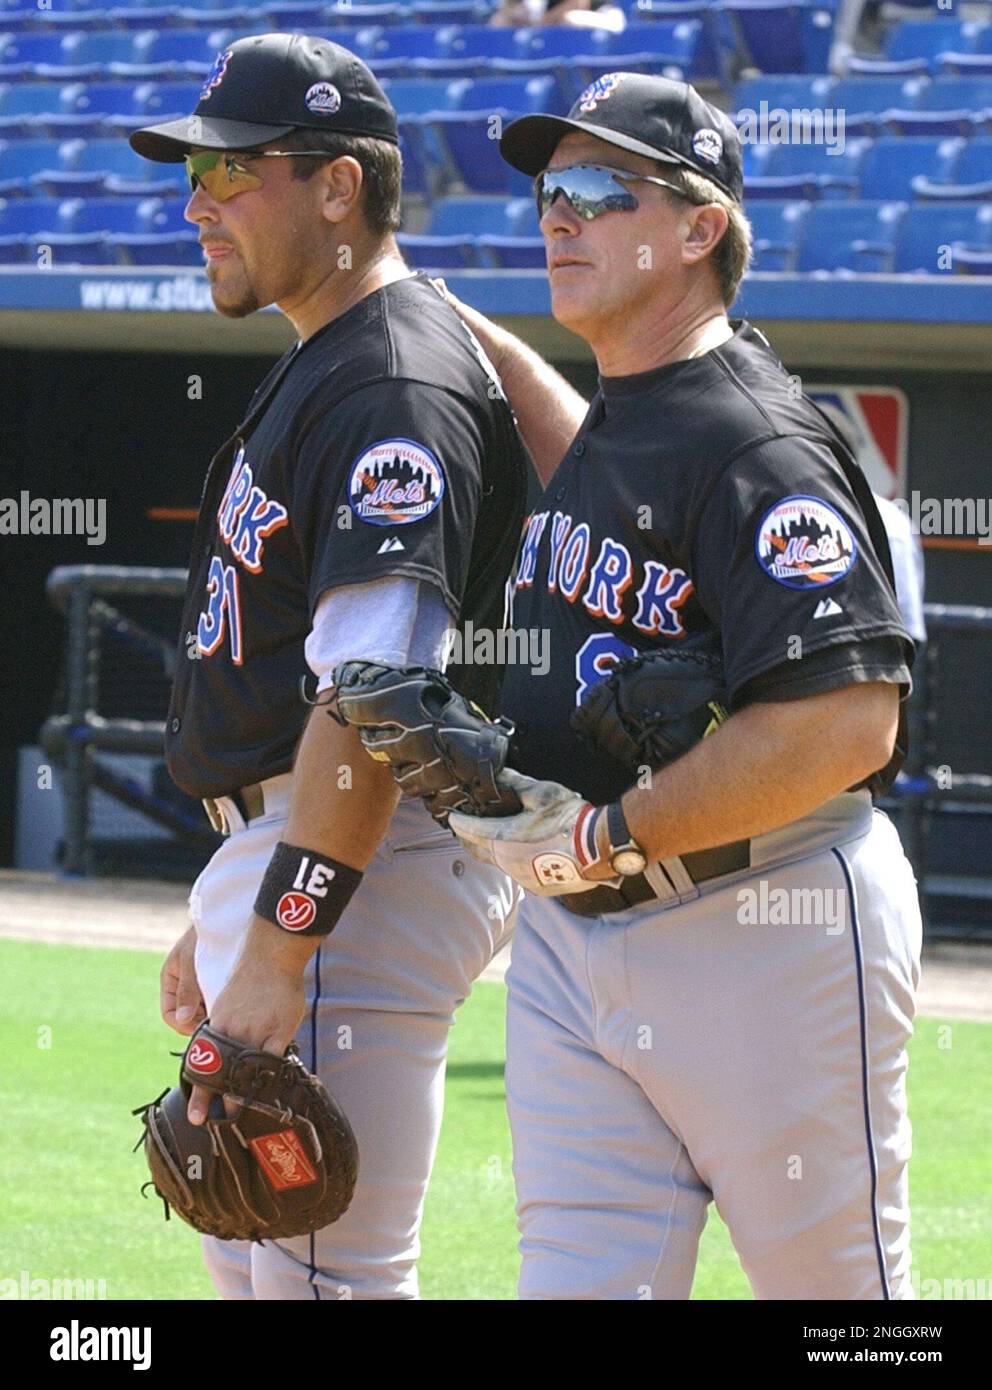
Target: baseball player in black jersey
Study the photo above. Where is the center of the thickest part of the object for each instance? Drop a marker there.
(715, 964)
(370, 499)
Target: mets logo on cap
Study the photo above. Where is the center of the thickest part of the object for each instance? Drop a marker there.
(216, 74)
(395, 482)
(803, 543)
(323, 99)
(707, 145)
(599, 90)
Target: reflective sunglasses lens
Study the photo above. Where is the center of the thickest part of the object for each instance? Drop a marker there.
(220, 175)
(589, 189)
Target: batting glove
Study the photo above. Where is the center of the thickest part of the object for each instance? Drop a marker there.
(544, 847)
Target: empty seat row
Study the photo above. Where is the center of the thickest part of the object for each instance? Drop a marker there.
(870, 237)
(95, 108)
(916, 167)
(448, 50)
(96, 231)
(932, 45)
(19, 16)
(869, 105)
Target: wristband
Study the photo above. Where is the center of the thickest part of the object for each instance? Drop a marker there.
(303, 892)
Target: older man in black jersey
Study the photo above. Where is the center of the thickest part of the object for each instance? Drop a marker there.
(714, 972)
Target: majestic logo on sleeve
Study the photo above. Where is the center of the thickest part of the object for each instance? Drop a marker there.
(394, 483)
(803, 543)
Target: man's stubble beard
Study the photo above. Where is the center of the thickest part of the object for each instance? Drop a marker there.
(240, 308)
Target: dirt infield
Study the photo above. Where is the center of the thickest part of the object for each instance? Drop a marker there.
(139, 915)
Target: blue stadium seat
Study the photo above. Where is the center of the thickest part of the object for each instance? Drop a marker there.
(864, 99)
(303, 16)
(652, 47)
(142, 16)
(88, 168)
(20, 215)
(970, 260)
(109, 215)
(926, 38)
(831, 175)
(512, 252)
(717, 38)
(88, 104)
(171, 54)
(522, 95)
(783, 91)
(159, 100)
(19, 159)
(943, 106)
(928, 233)
(158, 249)
(429, 252)
(162, 215)
(467, 49)
(21, 103)
(25, 56)
(776, 227)
(975, 163)
(412, 96)
(780, 36)
(856, 237)
(70, 20)
(419, 170)
(973, 64)
(394, 52)
(956, 94)
(449, 11)
(106, 48)
(892, 163)
(967, 178)
(483, 217)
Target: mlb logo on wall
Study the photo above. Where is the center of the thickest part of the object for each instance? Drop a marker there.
(395, 482)
(879, 417)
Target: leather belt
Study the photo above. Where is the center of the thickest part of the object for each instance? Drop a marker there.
(250, 803)
(700, 865)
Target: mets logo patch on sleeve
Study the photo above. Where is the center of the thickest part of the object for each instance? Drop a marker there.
(803, 543)
(395, 482)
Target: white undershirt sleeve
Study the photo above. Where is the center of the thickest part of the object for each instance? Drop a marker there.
(397, 620)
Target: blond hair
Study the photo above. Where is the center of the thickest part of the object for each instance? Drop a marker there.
(732, 254)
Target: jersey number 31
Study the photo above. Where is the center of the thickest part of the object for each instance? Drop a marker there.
(223, 612)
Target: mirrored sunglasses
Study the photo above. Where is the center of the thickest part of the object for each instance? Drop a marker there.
(592, 189)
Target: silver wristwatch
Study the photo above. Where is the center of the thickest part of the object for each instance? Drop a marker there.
(625, 854)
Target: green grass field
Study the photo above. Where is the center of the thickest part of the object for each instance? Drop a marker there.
(82, 1047)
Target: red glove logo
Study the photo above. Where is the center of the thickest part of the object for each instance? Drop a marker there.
(203, 1056)
(295, 911)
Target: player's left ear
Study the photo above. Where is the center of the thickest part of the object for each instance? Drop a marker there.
(340, 183)
(704, 227)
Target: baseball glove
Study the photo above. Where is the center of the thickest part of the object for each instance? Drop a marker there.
(284, 1165)
(652, 708)
(440, 745)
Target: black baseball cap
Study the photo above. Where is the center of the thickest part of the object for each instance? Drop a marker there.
(653, 116)
(266, 86)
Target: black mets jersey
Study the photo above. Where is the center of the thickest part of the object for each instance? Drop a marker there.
(380, 446)
(705, 496)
